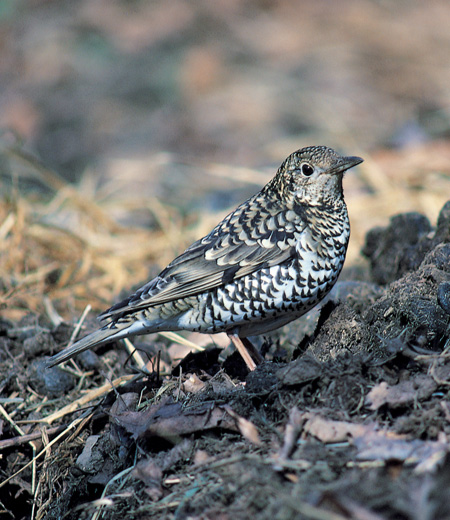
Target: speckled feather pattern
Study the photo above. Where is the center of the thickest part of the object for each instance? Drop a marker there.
(273, 295)
(266, 263)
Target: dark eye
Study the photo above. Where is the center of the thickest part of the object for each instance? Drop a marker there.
(307, 169)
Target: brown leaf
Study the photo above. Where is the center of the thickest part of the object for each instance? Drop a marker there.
(382, 445)
(385, 445)
(126, 401)
(246, 427)
(402, 394)
(292, 432)
(329, 431)
(201, 457)
(150, 473)
(169, 420)
(193, 384)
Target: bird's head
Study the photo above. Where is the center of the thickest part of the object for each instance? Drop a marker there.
(313, 175)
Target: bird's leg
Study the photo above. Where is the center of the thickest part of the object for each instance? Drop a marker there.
(254, 352)
(237, 342)
(246, 350)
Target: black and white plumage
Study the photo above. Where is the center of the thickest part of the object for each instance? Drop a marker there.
(266, 263)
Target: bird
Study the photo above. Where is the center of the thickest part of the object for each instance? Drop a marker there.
(265, 264)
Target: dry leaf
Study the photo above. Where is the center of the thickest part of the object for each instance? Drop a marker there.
(193, 384)
(292, 432)
(331, 431)
(246, 427)
(150, 473)
(402, 394)
(169, 420)
(386, 445)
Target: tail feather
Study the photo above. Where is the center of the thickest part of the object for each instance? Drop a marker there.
(109, 332)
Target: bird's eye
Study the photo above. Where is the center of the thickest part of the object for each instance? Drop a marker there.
(307, 169)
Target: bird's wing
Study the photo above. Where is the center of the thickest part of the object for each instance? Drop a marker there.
(248, 239)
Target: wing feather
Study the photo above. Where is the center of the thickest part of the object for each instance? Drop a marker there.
(239, 245)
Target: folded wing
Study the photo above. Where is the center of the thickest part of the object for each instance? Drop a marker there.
(241, 244)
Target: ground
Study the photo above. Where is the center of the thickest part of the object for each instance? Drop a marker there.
(352, 422)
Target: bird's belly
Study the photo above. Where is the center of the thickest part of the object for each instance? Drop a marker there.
(264, 300)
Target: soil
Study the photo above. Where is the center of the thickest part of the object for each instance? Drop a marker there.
(348, 418)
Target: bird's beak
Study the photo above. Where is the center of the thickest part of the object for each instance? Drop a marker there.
(346, 164)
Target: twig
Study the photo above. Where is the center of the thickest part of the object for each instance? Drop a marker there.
(176, 338)
(27, 437)
(78, 326)
(131, 349)
(87, 398)
(52, 313)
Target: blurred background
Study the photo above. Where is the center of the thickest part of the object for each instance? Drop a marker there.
(130, 127)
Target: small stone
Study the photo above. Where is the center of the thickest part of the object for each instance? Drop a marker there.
(51, 382)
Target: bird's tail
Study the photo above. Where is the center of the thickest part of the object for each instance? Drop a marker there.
(109, 332)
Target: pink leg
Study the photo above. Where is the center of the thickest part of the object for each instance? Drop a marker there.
(247, 351)
(254, 352)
